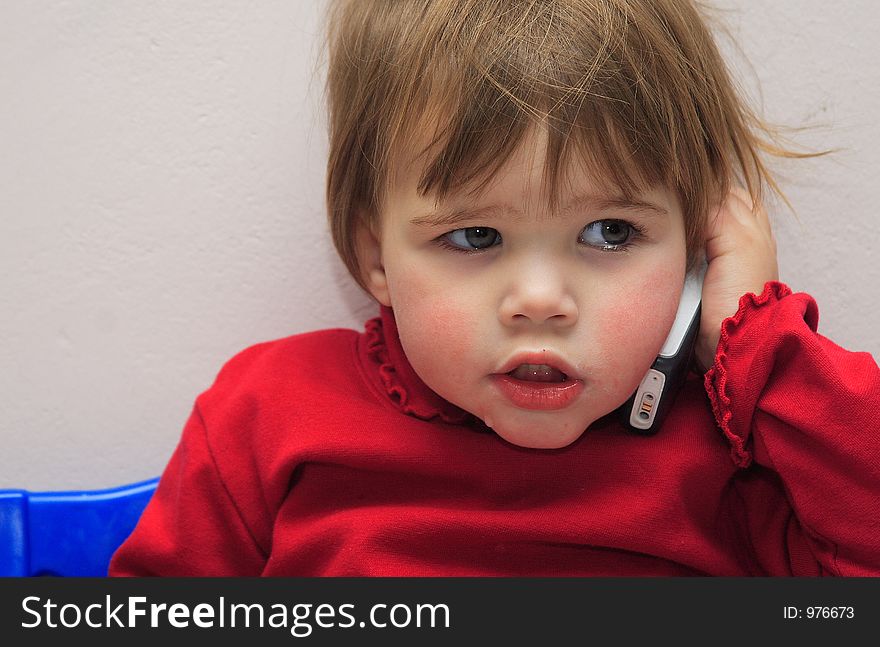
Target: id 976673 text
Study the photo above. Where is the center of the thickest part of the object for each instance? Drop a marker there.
(818, 613)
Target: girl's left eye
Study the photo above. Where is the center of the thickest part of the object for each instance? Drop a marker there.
(471, 239)
(610, 235)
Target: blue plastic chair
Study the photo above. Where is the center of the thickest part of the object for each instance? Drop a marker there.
(67, 534)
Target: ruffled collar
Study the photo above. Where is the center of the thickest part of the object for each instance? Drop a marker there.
(383, 354)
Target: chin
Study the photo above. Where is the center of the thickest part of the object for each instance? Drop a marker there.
(533, 437)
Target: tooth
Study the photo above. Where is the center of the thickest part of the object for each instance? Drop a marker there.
(537, 373)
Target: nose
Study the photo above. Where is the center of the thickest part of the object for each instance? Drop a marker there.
(538, 295)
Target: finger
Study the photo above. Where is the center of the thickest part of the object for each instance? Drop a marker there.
(741, 194)
(736, 209)
(743, 199)
(715, 222)
(748, 206)
(717, 241)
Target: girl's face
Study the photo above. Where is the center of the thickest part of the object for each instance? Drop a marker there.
(537, 322)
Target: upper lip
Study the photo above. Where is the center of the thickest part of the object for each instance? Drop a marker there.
(541, 357)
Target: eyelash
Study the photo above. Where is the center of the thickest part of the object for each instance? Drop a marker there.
(636, 236)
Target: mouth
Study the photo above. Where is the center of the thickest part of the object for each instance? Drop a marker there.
(539, 381)
(538, 373)
(539, 366)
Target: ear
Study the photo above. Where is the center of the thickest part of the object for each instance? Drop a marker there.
(369, 251)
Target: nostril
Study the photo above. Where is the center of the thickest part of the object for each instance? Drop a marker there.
(538, 302)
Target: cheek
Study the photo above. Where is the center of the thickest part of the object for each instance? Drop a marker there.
(437, 333)
(638, 323)
(436, 317)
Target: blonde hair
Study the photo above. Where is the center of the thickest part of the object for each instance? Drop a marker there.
(636, 89)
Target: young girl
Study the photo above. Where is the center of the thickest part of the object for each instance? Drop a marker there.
(522, 187)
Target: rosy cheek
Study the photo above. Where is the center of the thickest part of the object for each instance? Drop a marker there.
(638, 322)
(435, 331)
(448, 329)
(653, 299)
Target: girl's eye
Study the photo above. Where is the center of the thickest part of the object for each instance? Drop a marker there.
(472, 238)
(609, 235)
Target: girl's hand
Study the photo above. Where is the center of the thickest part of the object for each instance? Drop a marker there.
(741, 253)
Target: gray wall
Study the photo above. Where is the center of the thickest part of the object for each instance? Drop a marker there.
(161, 206)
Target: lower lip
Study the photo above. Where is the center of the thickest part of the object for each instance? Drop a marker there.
(542, 396)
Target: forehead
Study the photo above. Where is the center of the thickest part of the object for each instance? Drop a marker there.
(520, 179)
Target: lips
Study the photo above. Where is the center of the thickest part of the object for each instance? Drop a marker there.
(538, 381)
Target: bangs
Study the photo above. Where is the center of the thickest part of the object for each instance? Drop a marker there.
(461, 156)
(603, 92)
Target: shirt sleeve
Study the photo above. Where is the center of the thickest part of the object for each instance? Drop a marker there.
(191, 526)
(801, 416)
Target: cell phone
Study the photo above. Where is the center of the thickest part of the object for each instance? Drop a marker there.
(645, 411)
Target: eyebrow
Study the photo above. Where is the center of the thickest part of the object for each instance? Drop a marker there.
(447, 217)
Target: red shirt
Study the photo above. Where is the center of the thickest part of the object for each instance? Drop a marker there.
(325, 454)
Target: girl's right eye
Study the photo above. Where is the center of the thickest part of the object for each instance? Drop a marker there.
(470, 239)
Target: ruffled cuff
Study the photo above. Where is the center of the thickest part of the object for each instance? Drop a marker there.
(753, 311)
